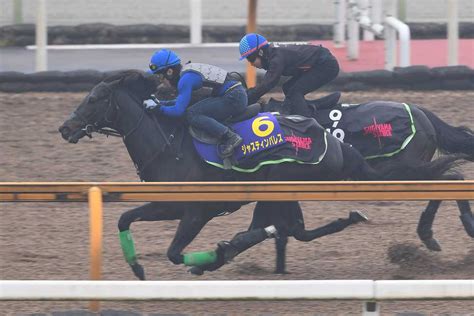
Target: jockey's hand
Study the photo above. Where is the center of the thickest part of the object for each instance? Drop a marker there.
(151, 105)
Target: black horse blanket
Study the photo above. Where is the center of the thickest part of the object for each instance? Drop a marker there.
(376, 129)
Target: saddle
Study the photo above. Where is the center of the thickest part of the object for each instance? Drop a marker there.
(325, 102)
(202, 136)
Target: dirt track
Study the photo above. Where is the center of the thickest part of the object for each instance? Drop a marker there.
(50, 240)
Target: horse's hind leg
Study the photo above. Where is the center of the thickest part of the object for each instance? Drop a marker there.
(338, 225)
(227, 250)
(425, 225)
(281, 215)
(466, 217)
(147, 212)
(280, 245)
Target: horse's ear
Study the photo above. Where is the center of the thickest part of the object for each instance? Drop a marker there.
(114, 84)
(92, 98)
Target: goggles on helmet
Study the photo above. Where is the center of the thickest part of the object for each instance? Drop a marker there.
(252, 57)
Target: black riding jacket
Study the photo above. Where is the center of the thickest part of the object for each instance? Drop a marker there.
(288, 60)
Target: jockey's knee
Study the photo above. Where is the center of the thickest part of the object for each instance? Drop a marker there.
(190, 116)
(175, 256)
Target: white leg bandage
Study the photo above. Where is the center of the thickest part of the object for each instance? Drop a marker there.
(271, 231)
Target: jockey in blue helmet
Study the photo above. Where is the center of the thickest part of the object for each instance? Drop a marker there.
(309, 66)
(163, 59)
(229, 97)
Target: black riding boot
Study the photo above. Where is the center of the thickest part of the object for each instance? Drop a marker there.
(230, 141)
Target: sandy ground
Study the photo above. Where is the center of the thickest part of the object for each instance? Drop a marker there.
(50, 240)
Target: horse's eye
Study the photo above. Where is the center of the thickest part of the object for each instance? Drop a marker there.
(92, 99)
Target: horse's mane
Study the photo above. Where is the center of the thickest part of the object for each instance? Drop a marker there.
(120, 75)
(138, 82)
(142, 84)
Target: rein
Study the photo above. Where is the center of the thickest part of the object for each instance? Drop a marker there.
(91, 128)
(168, 141)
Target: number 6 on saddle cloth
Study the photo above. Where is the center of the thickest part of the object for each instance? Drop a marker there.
(268, 139)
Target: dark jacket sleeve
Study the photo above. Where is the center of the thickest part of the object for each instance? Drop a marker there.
(270, 80)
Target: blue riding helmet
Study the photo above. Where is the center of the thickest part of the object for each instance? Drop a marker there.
(163, 59)
(250, 44)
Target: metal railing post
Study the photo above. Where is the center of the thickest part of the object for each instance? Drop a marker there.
(352, 32)
(251, 28)
(17, 11)
(453, 32)
(196, 21)
(404, 41)
(95, 231)
(339, 38)
(41, 37)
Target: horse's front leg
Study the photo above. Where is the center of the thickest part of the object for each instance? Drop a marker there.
(147, 212)
(190, 225)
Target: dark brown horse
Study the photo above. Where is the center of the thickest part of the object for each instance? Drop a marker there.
(162, 150)
(432, 134)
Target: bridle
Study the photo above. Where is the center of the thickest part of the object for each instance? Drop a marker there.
(90, 128)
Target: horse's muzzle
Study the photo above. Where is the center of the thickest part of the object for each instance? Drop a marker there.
(65, 132)
(71, 137)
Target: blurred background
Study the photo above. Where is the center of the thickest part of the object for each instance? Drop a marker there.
(85, 34)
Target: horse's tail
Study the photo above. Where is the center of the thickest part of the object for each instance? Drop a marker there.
(432, 170)
(358, 169)
(451, 139)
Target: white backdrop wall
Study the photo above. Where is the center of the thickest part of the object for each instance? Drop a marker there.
(222, 12)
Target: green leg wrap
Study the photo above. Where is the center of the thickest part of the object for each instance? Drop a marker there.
(128, 248)
(199, 258)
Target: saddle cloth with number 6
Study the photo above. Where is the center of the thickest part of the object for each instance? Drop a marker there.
(271, 139)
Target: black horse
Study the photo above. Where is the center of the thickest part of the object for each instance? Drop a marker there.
(432, 134)
(162, 150)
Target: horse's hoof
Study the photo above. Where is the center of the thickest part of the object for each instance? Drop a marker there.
(196, 271)
(468, 223)
(277, 271)
(357, 217)
(138, 271)
(431, 244)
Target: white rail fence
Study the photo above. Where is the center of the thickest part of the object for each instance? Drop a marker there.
(368, 291)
